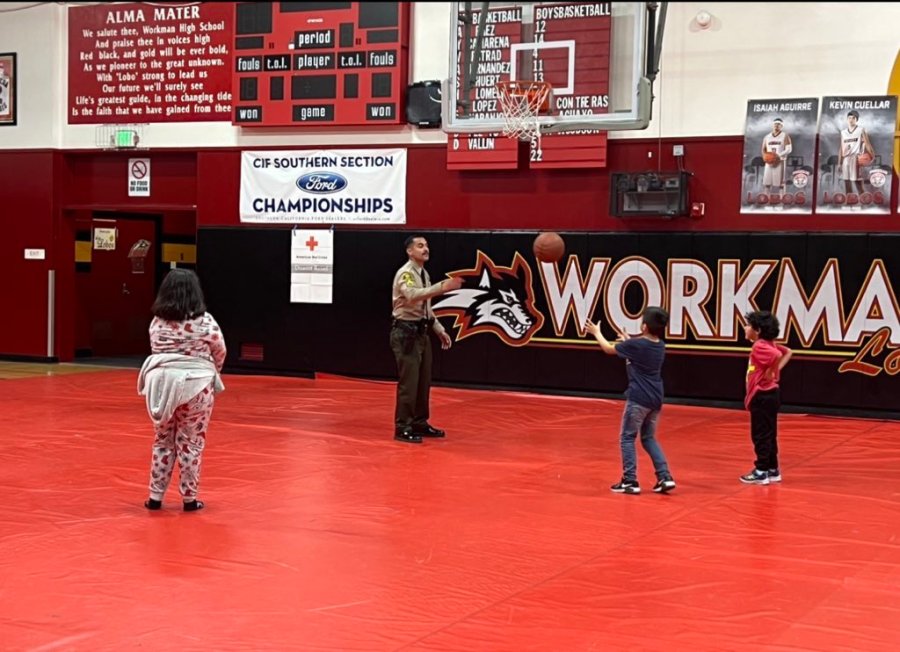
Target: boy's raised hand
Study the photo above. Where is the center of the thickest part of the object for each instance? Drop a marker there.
(592, 328)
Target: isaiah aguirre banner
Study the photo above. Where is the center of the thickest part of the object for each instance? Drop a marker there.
(779, 155)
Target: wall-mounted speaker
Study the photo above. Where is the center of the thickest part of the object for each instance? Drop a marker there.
(423, 104)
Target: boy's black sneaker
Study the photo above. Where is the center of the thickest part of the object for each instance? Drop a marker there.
(664, 486)
(755, 477)
(626, 487)
(774, 475)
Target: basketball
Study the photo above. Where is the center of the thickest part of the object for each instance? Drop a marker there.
(864, 159)
(770, 157)
(549, 247)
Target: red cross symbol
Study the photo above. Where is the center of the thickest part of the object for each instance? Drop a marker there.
(312, 242)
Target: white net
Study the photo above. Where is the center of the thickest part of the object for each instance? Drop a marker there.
(521, 103)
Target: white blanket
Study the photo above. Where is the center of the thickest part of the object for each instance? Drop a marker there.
(169, 380)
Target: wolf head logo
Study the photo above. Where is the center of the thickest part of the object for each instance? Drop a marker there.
(494, 299)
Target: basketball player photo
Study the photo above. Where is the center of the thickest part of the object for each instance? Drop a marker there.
(779, 150)
(7, 89)
(856, 150)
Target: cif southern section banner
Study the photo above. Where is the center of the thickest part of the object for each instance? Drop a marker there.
(365, 186)
(856, 152)
(779, 155)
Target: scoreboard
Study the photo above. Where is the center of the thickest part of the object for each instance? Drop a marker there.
(320, 63)
(565, 44)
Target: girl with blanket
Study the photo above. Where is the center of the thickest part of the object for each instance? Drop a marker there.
(180, 380)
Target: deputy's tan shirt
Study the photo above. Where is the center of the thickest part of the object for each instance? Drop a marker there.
(412, 298)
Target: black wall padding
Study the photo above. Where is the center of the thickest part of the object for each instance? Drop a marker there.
(245, 272)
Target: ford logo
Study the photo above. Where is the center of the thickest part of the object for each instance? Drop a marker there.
(321, 183)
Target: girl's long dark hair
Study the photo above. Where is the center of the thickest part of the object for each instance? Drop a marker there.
(180, 297)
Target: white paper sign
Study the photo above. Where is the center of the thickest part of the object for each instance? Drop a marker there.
(139, 177)
(343, 186)
(105, 239)
(312, 265)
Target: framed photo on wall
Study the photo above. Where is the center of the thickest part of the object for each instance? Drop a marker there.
(7, 88)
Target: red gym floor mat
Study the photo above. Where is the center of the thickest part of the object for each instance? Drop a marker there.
(322, 533)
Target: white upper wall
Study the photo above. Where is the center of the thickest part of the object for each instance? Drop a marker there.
(760, 50)
(751, 50)
(35, 35)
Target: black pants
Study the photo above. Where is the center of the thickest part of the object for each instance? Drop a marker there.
(413, 354)
(764, 428)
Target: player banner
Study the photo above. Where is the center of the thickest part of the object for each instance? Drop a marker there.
(856, 152)
(779, 154)
(345, 186)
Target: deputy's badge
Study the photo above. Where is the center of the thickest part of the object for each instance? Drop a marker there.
(407, 278)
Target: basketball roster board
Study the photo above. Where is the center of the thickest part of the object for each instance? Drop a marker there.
(320, 63)
(565, 44)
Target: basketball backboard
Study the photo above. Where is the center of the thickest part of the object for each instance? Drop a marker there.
(593, 54)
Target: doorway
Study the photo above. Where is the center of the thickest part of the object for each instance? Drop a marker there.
(117, 287)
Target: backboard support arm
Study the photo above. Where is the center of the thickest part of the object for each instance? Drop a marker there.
(655, 30)
(470, 68)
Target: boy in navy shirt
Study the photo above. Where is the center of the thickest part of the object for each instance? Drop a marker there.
(644, 357)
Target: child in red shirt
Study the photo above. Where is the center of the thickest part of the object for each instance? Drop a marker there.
(763, 398)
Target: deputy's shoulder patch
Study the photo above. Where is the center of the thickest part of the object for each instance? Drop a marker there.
(408, 279)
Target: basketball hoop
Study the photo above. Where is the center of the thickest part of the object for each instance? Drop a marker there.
(521, 102)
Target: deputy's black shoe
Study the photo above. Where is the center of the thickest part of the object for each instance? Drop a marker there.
(428, 431)
(407, 435)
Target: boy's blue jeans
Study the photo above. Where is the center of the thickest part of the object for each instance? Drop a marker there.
(639, 419)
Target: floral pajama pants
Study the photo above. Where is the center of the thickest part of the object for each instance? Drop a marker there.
(183, 438)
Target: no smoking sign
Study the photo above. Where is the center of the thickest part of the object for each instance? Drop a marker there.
(139, 177)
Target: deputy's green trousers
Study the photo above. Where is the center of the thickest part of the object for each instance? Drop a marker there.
(414, 385)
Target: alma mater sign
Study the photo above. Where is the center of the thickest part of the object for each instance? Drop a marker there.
(141, 63)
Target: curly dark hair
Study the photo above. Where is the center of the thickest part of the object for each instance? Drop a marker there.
(656, 319)
(765, 323)
(180, 297)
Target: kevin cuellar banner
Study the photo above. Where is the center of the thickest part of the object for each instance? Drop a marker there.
(779, 155)
(342, 186)
(856, 154)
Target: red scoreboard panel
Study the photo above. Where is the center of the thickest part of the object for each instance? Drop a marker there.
(320, 63)
(568, 45)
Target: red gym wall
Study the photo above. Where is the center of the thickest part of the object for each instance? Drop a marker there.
(552, 199)
(28, 209)
(42, 190)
